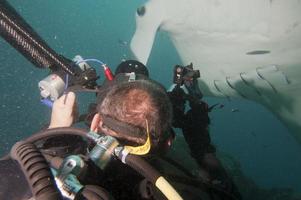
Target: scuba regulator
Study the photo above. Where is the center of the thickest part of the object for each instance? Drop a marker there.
(63, 178)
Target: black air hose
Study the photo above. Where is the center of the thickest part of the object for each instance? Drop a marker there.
(36, 170)
(19, 34)
(93, 192)
(57, 132)
(142, 167)
(151, 174)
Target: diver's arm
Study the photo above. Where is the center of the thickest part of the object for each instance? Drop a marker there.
(64, 111)
(177, 99)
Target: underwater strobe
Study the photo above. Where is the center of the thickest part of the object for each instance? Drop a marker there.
(54, 85)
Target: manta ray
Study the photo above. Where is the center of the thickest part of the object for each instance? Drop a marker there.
(248, 49)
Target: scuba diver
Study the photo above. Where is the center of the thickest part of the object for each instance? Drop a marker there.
(129, 124)
(125, 105)
(195, 126)
(132, 110)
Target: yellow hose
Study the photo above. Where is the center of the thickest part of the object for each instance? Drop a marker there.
(167, 189)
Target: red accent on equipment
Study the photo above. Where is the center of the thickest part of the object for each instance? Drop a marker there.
(108, 73)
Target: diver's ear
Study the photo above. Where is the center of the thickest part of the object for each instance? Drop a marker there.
(95, 122)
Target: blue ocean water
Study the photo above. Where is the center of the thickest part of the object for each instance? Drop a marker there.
(267, 153)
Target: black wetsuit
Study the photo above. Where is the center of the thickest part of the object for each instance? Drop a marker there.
(194, 123)
(195, 127)
(13, 185)
(118, 179)
(196, 133)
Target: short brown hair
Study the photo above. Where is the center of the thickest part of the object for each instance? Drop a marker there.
(138, 101)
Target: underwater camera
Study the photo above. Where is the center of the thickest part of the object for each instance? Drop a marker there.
(58, 81)
(185, 73)
(186, 78)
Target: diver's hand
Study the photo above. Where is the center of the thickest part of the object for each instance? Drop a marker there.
(177, 96)
(64, 111)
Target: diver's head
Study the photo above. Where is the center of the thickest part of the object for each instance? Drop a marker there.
(130, 107)
(129, 66)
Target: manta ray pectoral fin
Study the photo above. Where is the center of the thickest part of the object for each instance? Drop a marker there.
(142, 43)
(147, 26)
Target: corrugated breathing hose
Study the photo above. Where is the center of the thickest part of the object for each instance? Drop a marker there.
(36, 170)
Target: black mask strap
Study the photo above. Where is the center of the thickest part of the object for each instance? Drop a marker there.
(122, 127)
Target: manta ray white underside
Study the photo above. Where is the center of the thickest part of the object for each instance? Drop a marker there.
(243, 48)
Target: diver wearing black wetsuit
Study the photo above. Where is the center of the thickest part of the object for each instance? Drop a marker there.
(119, 180)
(195, 127)
(194, 123)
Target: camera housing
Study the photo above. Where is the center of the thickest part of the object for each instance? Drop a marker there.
(185, 73)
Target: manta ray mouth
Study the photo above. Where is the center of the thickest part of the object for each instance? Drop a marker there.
(257, 52)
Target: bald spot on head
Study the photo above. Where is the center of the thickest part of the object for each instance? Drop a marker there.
(138, 106)
(135, 103)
